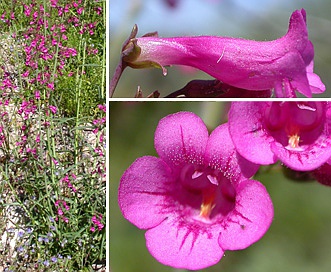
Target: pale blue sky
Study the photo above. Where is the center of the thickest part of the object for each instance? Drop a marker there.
(195, 17)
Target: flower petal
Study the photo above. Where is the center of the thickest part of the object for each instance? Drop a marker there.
(316, 85)
(247, 133)
(184, 246)
(308, 159)
(221, 154)
(297, 34)
(181, 138)
(142, 191)
(250, 219)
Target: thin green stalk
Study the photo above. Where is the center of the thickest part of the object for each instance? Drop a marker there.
(50, 151)
(41, 154)
(78, 92)
(50, 139)
(103, 65)
(55, 62)
(103, 241)
(78, 102)
(45, 20)
(104, 53)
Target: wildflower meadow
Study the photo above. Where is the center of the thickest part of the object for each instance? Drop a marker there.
(52, 135)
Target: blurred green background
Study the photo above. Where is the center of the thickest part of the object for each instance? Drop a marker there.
(254, 19)
(298, 239)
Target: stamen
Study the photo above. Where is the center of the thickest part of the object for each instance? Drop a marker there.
(294, 140)
(208, 204)
(196, 174)
(305, 107)
(212, 179)
(206, 209)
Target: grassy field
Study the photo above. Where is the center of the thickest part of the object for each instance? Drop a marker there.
(52, 135)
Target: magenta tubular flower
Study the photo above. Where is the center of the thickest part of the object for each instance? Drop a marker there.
(296, 133)
(285, 64)
(195, 200)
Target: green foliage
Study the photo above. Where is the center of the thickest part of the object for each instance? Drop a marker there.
(52, 138)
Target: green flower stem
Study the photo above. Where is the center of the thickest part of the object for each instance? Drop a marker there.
(103, 78)
(79, 78)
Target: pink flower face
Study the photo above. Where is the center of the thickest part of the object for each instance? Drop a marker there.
(284, 65)
(296, 133)
(195, 200)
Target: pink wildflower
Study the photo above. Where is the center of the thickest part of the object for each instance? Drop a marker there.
(285, 64)
(54, 3)
(60, 211)
(96, 221)
(196, 200)
(51, 86)
(27, 10)
(53, 109)
(102, 107)
(3, 16)
(296, 133)
(69, 184)
(26, 73)
(80, 10)
(55, 161)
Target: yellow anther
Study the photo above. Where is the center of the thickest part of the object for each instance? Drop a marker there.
(294, 140)
(207, 205)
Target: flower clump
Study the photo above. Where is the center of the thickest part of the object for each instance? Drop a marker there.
(96, 220)
(48, 45)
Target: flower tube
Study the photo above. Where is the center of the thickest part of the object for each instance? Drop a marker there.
(284, 65)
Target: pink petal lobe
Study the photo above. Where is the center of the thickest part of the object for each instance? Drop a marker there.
(142, 191)
(250, 219)
(297, 33)
(221, 154)
(248, 134)
(184, 246)
(315, 82)
(181, 138)
(306, 159)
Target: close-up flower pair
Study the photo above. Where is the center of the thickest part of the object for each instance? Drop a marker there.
(197, 199)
